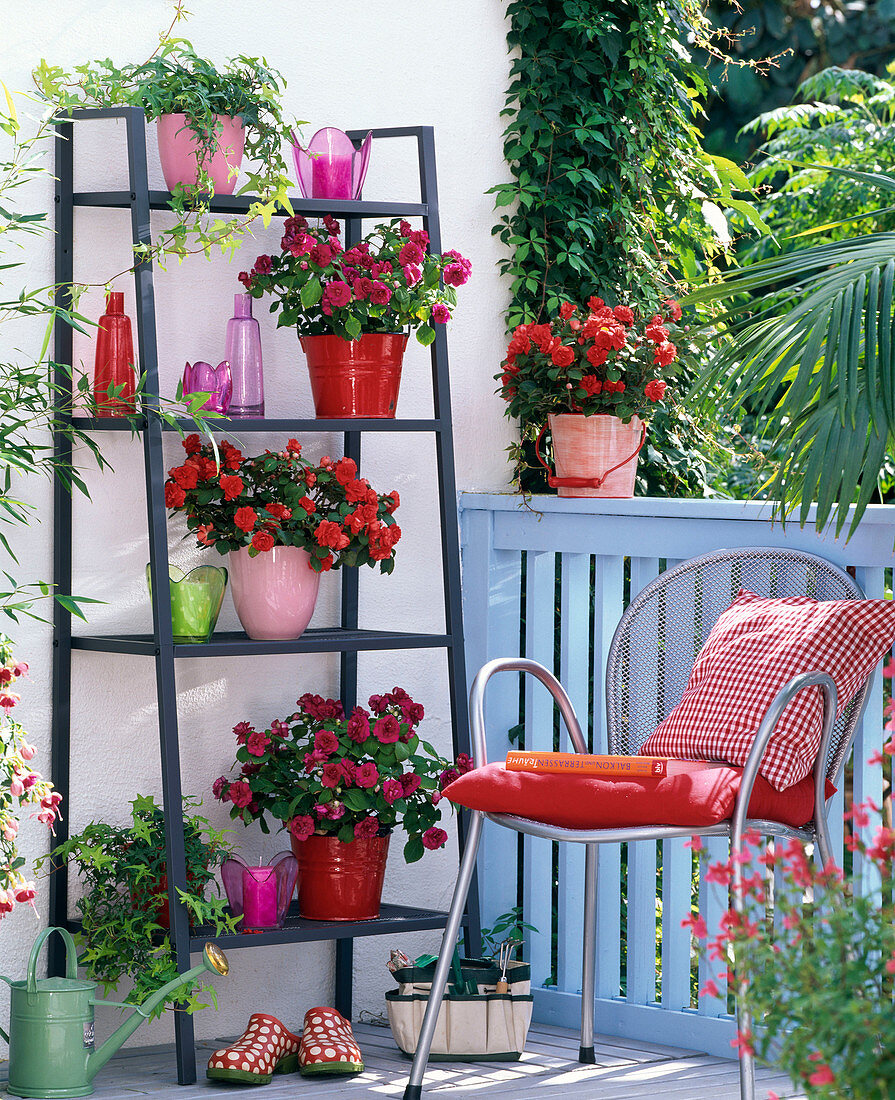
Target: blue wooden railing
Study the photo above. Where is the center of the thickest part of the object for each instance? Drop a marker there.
(550, 580)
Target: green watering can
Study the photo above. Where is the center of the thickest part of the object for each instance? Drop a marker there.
(51, 1024)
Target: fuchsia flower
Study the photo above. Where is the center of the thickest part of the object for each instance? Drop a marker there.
(240, 793)
(6, 902)
(359, 725)
(302, 826)
(25, 892)
(387, 729)
(368, 827)
(326, 742)
(257, 743)
(380, 294)
(366, 775)
(434, 838)
(392, 790)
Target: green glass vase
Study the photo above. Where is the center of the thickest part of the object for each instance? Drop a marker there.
(196, 599)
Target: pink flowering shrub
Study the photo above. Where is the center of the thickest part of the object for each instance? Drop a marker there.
(816, 958)
(388, 282)
(361, 775)
(20, 786)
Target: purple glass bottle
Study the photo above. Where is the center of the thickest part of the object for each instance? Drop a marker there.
(243, 352)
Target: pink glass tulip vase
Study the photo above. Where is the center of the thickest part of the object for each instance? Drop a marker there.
(331, 167)
(215, 381)
(260, 895)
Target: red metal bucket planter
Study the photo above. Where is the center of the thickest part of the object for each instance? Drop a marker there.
(595, 456)
(355, 378)
(340, 880)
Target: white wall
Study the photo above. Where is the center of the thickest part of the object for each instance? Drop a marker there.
(361, 63)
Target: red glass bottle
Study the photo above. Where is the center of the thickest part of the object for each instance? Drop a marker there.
(114, 364)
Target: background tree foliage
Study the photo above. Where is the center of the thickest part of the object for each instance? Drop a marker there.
(804, 36)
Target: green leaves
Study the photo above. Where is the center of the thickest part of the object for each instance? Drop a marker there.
(817, 358)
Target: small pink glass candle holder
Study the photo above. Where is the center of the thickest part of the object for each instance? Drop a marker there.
(331, 167)
(260, 895)
(215, 381)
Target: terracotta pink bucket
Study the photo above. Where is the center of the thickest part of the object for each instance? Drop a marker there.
(177, 145)
(274, 593)
(595, 456)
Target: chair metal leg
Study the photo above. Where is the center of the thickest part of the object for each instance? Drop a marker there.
(414, 1087)
(589, 962)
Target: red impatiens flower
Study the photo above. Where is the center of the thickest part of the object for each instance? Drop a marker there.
(245, 518)
(655, 390)
(369, 827)
(263, 541)
(664, 354)
(563, 356)
(192, 444)
(186, 477)
(174, 495)
(232, 486)
(331, 534)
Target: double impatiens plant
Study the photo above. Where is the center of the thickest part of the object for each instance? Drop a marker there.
(590, 360)
(20, 786)
(281, 499)
(362, 775)
(815, 957)
(388, 282)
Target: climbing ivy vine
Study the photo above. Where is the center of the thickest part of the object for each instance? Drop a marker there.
(611, 193)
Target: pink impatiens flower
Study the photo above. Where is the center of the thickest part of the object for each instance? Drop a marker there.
(302, 826)
(434, 838)
(240, 793)
(369, 827)
(392, 790)
(367, 774)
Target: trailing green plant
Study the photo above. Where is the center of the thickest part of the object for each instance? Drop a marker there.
(176, 80)
(611, 194)
(814, 354)
(842, 118)
(124, 875)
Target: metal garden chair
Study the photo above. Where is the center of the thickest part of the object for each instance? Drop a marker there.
(650, 661)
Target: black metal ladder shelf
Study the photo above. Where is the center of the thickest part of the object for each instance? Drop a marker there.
(347, 640)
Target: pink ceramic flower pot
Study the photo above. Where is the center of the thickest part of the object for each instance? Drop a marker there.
(178, 149)
(274, 593)
(586, 448)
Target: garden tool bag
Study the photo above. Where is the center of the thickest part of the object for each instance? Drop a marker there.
(475, 1025)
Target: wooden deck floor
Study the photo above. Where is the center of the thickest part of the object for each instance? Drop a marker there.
(549, 1069)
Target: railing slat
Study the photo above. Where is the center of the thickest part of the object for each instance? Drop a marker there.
(492, 599)
(868, 778)
(610, 590)
(641, 953)
(540, 606)
(574, 673)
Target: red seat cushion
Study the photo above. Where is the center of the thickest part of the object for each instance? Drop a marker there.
(698, 797)
(756, 647)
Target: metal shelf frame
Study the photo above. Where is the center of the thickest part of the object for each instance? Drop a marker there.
(347, 640)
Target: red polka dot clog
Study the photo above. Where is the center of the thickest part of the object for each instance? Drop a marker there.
(327, 1044)
(265, 1047)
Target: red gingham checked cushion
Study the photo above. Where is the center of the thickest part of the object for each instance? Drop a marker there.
(756, 647)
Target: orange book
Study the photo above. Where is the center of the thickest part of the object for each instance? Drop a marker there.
(579, 763)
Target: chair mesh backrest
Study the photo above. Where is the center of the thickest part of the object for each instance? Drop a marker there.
(665, 627)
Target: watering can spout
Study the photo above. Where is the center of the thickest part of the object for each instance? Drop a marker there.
(214, 961)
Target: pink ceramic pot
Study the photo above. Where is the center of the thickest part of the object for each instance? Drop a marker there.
(177, 147)
(274, 593)
(588, 447)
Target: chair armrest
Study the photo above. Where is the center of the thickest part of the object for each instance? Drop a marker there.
(517, 664)
(766, 731)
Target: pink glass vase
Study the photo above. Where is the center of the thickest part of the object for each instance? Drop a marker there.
(274, 593)
(260, 895)
(215, 381)
(331, 167)
(243, 352)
